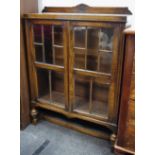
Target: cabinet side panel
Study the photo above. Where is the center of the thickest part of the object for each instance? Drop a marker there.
(126, 127)
(25, 7)
(24, 90)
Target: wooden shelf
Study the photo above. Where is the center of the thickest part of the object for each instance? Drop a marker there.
(98, 108)
(58, 46)
(94, 52)
(49, 66)
(57, 98)
(81, 104)
(37, 43)
(105, 76)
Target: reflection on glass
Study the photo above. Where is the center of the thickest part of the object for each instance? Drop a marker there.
(93, 48)
(105, 39)
(79, 37)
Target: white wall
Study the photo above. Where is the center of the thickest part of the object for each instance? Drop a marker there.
(129, 3)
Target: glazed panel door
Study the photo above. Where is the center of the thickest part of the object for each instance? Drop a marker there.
(93, 69)
(49, 59)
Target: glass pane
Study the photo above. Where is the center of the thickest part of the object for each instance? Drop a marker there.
(38, 54)
(106, 39)
(48, 44)
(59, 56)
(92, 62)
(79, 37)
(58, 35)
(37, 33)
(51, 86)
(93, 38)
(81, 94)
(43, 84)
(91, 96)
(79, 58)
(57, 84)
(105, 62)
(100, 99)
(93, 48)
(47, 35)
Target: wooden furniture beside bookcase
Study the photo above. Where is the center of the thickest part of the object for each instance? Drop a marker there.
(25, 7)
(125, 142)
(75, 63)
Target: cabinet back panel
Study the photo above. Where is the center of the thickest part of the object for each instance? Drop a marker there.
(58, 82)
(100, 92)
(43, 83)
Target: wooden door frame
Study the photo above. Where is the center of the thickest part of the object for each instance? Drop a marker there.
(114, 90)
(34, 64)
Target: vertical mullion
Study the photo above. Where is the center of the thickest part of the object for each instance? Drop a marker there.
(53, 48)
(90, 95)
(71, 67)
(86, 37)
(74, 78)
(98, 61)
(43, 42)
(66, 67)
(50, 84)
(98, 55)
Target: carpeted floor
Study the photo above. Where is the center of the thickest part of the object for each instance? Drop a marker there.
(49, 139)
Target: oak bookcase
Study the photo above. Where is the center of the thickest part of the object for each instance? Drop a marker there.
(75, 57)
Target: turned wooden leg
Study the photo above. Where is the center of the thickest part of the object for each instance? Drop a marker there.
(34, 114)
(113, 139)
